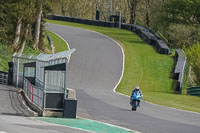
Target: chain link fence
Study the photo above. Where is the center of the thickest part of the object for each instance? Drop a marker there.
(18, 61)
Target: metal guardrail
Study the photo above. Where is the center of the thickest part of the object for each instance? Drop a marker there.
(143, 32)
(50, 41)
(3, 78)
(35, 94)
(180, 67)
(195, 91)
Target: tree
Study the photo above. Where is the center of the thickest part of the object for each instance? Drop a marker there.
(17, 32)
(193, 55)
(183, 11)
(8, 20)
(132, 4)
(180, 21)
(20, 21)
(42, 7)
(147, 15)
(39, 4)
(19, 14)
(24, 39)
(28, 20)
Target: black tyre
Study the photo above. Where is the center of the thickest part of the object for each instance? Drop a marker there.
(134, 106)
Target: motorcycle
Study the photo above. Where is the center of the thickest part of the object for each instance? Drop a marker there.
(134, 101)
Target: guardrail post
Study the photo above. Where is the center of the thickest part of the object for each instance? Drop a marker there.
(32, 92)
(2, 78)
(29, 92)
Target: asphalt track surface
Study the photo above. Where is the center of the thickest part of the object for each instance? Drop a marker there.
(15, 116)
(94, 70)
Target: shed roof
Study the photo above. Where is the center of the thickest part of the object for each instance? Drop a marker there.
(23, 56)
(50, 57)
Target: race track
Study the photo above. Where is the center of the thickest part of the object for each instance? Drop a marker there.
(94, 70)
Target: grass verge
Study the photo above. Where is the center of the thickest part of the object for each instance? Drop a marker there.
(5, 57)
(146, 68)
(59, 43)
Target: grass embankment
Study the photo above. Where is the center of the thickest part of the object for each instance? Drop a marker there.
(59, 43)
(146, 68)
(5, 57)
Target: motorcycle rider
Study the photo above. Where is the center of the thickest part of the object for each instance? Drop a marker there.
(136, 91)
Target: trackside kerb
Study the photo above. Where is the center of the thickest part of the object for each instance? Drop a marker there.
(88, 125)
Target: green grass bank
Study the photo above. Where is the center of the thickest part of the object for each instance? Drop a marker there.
(146, 68)
(59, 43)
(5, 57)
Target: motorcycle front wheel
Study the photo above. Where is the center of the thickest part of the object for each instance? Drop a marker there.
(134, 106)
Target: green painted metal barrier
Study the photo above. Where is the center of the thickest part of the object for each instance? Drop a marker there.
(195, 91)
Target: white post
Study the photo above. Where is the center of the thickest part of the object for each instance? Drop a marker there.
(17, 72)
(65, 79)
(120, 19)
(44, 91)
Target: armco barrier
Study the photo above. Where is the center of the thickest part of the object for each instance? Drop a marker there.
(127, 26)
(179, 70)
(195, 91)
(87, 21)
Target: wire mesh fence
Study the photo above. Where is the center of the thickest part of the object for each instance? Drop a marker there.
(18, 61)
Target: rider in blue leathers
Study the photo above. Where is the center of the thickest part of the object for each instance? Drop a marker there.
(137, 91)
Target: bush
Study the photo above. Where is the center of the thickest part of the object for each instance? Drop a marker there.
(193, 54)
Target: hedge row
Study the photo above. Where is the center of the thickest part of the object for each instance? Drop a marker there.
(143, 32)
(179, 70)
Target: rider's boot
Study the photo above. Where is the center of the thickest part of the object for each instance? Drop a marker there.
(138, 103)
